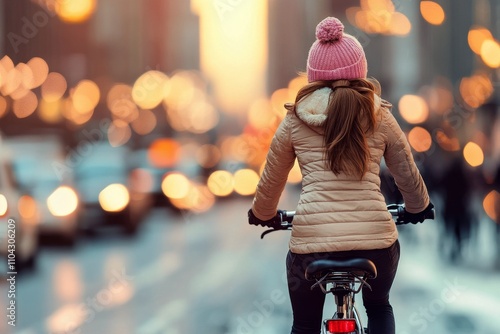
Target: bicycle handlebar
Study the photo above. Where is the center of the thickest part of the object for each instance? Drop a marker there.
(398, 211)
(285, 218)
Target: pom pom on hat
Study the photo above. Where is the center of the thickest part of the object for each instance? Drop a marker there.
(329, 30)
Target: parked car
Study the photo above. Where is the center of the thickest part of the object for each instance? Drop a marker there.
(15, 223)
(43, 172)
(110, 192)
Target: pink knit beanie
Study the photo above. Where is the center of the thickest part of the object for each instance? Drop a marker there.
(335, 55)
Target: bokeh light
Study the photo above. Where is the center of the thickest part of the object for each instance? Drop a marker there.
(68, 317)
(6, 63)
(473, 154)
(119, 133)
(491, 205)
(180, 90)
(50, 111)
(28, 208)
(399, 25)
(26, 105)
(164, 152)
(11, 82)
(62, 202)
(39, 72)
(201, 117)
(476, 90)
(114, 198)
(54, 87)
(432, 12)
(27, 80)
(476, 37)
(221, 183)
(439, 96)
(447, 143)
(245, 181)
(3, 205)
(85, 96)
(490, 53)
(187, 104)
(379, 17)
(202, 199)
(420, 139)
(75, 11)
(413, 109)
(149, 89)
(145, 122)
(120, 103)
(198, 199)
(76, 117)
(175, 186)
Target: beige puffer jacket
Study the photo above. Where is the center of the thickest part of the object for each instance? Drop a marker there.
(338, 212)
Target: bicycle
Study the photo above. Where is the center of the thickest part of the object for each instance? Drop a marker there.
(342, 278)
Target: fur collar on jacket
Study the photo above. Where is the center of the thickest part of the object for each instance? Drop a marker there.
(312, 110)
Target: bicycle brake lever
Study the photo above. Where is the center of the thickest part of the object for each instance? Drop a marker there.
(267, 232)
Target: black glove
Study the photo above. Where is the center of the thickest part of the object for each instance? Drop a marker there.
(273, 222)
(415, 218)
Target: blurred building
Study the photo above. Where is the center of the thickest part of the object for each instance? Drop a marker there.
(246, 50)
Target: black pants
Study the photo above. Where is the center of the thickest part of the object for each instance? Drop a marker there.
(307, 304)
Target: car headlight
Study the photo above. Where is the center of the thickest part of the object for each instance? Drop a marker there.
(4, 207)
(114, 198)
(62, 202)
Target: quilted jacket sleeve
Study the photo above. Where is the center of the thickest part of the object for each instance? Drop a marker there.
(399, 160)
(279, 162)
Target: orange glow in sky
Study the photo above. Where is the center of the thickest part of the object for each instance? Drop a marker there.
(233, 50)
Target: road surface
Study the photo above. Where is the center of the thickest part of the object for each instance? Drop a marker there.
(210, 273)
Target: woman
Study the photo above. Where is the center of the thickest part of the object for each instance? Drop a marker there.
(339, 130)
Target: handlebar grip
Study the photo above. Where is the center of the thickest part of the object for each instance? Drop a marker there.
(431, 214)
(398, 211)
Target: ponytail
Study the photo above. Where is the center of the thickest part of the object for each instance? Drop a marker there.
(350, 116)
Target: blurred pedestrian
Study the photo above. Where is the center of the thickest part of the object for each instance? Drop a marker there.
(339, 130)
(457, 217)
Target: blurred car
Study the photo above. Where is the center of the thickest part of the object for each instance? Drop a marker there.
(15, 211)
(152, 175)
(43, 172)
(110, 192)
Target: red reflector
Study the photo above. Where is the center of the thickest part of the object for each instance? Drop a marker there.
(341, 325)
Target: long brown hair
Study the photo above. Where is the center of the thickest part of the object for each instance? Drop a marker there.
(350, 117)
